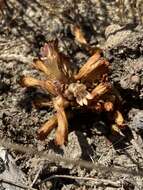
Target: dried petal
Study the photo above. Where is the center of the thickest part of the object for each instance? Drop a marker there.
(79, 101)
(108, 106)
(89, 96)
(98, 107)
(79, 92)
(85, 102)
(65, 66)
(49, 49)
(51, 58)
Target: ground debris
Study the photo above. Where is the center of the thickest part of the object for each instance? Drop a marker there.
(25, 27)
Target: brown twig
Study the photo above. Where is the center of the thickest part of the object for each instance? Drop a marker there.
(36, 176)
(57, 159)
(98, 182)
(16, 184)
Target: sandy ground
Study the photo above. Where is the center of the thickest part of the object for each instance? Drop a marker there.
(24, 27)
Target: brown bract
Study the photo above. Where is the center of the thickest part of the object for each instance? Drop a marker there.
(79, 35)
(88, 89)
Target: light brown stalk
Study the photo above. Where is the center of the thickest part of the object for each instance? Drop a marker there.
(47, 128)
(52, 123)
(62, 129)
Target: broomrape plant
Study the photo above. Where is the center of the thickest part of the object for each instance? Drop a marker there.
(87, 89)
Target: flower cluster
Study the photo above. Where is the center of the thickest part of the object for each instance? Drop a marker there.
(88, 88)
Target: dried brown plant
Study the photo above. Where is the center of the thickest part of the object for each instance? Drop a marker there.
(88, 89)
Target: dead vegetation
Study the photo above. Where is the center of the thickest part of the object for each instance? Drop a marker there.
(113, 160)
(87, 89)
